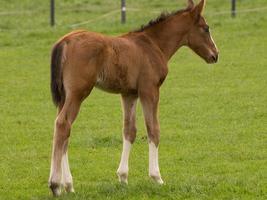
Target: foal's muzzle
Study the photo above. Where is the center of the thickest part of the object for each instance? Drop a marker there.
(213, 58)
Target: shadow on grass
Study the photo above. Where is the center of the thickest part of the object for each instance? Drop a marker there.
(108, 190)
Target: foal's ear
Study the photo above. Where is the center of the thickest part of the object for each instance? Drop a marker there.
(198, 9)
(190, 4)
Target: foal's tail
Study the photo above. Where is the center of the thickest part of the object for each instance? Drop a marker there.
(56, 84)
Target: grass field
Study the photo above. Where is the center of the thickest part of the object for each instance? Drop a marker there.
(213, 117)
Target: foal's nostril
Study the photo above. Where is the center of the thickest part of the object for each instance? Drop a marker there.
(215, 58)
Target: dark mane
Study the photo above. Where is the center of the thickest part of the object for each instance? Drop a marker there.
(162, 17)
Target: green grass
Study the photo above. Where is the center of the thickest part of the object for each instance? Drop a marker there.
(213, 118)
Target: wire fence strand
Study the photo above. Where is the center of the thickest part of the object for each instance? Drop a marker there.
(157, 12)
(110, 13)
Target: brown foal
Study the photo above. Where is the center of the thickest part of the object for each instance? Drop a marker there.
(134, 65)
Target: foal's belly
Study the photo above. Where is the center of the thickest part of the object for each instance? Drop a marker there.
(116, 80)
(115, 87)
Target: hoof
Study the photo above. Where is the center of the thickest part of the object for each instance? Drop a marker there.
(55, 188)
(123, 178)
(157, 179)
(69, 188)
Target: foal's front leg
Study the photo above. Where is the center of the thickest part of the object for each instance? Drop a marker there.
(149, 100)
(129, 134)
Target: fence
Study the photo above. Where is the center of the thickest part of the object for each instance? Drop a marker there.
(123, 11)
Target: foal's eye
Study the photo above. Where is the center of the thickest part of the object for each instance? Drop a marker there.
(207, 29)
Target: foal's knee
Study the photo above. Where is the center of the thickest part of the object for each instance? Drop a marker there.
(130, 134)
(153, 136)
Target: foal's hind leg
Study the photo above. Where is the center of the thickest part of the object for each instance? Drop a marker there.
(129, 134)
(149, 99)
(62, 132)
(66, 179)
(66, 174)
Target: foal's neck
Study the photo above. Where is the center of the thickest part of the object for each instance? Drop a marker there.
(170, 34)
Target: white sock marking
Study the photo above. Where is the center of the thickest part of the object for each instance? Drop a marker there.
(66, 174)
(123, 167)
(154, 163)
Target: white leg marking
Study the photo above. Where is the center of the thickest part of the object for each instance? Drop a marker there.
(66, 174)
(54, 178)
(123, 167)
(154, 163)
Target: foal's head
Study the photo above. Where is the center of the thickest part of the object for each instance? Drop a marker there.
(199, 38)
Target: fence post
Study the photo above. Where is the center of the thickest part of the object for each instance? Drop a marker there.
(233, 8)
(52, 12)
(123, 11)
